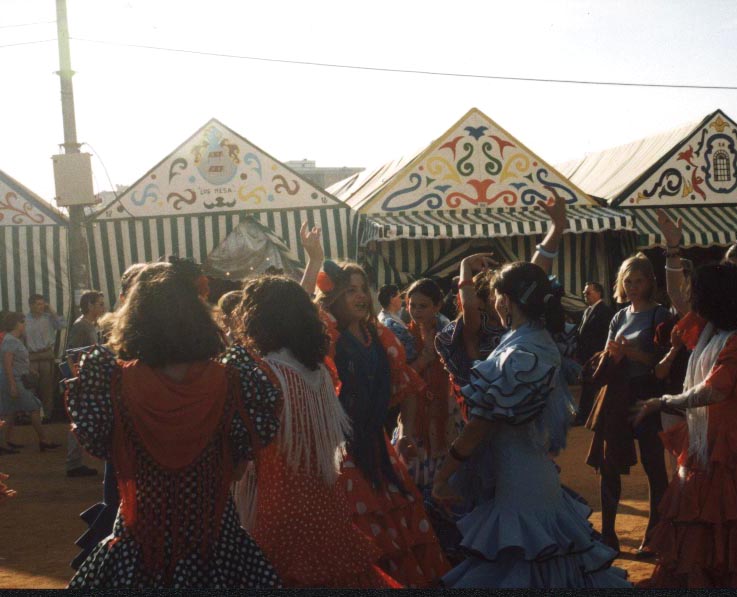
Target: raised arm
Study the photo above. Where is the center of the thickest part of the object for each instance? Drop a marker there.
(470, 266)
(548, 249)
(673, 234)
(312, 244)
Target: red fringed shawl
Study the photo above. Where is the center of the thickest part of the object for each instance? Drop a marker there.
(167, 434)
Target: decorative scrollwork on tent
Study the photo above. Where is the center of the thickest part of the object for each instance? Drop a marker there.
(464, 166)
(258, 194)
(178, 164)
(150, 194)
(283, 185)
(180, 199)
(565, 192)
(19, 213)
(492, 166)
(721, 163)
(415, 184)
(220, 202)
(668, 185)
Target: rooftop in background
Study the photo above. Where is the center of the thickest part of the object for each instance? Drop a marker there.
(319, 175)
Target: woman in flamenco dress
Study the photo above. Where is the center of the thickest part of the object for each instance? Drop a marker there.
(525, 531)
(371, 375)
(696, 538)
(301, 515)
(175, 424)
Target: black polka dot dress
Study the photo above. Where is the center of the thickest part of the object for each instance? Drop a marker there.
(233, 560)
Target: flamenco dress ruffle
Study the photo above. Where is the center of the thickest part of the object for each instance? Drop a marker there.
(397, 523)
(696, 539)
(526, 531)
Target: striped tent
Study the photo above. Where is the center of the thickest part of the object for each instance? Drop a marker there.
(690, 171)
(33, 249)
(194, 198)
(475, 188)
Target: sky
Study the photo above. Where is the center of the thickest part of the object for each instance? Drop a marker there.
(135, 105)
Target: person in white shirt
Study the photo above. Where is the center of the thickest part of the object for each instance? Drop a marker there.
(42, 325)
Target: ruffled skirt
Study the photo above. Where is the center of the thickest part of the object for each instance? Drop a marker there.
(397, 524)
(510, 548)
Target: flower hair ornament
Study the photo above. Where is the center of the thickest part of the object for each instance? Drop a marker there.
(556, 289)
(329, 276)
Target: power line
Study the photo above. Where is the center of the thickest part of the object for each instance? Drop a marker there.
(408, 71)
(27, 43)
(26, 24)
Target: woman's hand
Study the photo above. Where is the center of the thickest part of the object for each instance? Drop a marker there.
(676, 338)
(311, 242)
(5, 492)
(672, 232)
(556, 209)
(406, 449)
(644, 408)
(616, 349)
(479, 262)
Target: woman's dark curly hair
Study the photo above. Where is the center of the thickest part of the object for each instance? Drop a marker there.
(714, 294)
(530, 289)
(427, 287)
(163, 321)
(276, 312)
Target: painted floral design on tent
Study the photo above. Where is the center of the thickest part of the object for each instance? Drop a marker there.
(216, 170)
(701, 170)
(16, 209)
(476, 164)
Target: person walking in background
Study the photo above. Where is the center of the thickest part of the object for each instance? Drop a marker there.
(16, 385)
(592, 334)
(42, 325)
(84, 332)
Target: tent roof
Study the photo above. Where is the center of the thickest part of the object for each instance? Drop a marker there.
(475, 163)
(19, 206)
(216, 171)
(671, 168)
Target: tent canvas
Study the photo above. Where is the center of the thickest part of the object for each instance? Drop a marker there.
(690, 171)
(33, 249)
(476, 181)
(199, 194)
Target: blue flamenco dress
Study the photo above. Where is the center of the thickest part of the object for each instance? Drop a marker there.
(525, 531)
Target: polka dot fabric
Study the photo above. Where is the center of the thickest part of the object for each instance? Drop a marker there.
(397, 524)
(233, 561)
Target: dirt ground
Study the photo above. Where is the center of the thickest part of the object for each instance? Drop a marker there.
(38, 527)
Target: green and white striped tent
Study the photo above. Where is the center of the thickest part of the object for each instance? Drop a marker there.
(474, 188)
(203, 191)
(33, 249)
(690, 171)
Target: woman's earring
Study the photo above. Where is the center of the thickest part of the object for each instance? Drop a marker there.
(508, 320)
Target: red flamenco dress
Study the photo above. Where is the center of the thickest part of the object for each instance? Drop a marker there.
(301, 517)
(385, 502)
(696, 538)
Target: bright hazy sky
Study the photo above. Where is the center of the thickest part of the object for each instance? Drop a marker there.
(134, 106)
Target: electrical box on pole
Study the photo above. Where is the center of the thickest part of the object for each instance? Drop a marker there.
(73, 178)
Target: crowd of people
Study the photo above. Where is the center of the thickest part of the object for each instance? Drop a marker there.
(291, 436)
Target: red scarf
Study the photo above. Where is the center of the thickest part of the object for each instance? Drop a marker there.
(164, 430)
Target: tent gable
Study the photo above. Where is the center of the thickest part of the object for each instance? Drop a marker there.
(701, 170)
(20, 206)
(216, 170)
(475, 164)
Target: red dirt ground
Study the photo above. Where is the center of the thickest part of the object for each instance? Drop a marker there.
(38, 527)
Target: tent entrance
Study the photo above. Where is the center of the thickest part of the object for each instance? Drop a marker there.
(250, 250)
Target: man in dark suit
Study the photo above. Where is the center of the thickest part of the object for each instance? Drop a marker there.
(592, 335)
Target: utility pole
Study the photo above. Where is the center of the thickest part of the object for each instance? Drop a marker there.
(78, 252)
